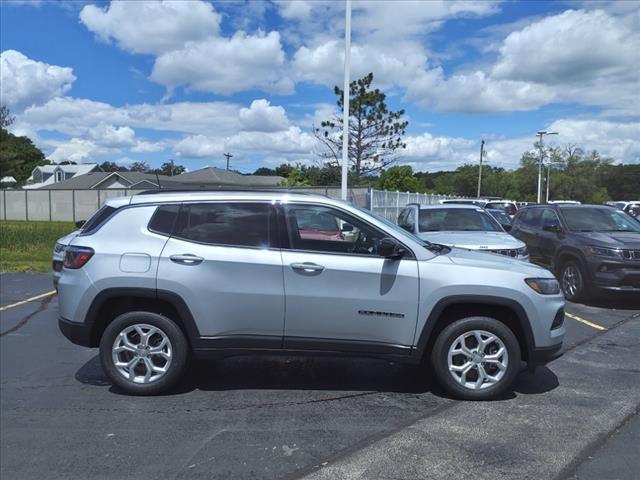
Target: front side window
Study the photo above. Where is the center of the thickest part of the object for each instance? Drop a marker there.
(549, 217)
(456, 219)
(532, 218)
(233, 224)
(592, 219)
(324, 229)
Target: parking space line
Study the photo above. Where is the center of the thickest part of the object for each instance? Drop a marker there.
(22, 302)
(582, 320)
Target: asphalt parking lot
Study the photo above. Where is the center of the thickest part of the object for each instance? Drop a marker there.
(281, 417)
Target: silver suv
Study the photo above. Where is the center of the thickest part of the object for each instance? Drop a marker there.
(229, 273)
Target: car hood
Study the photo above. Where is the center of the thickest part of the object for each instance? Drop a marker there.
(473, 240)
(629, 240)
(495, 261)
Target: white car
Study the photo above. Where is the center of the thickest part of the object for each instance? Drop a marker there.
(463, 226)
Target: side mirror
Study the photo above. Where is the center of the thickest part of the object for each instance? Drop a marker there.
(507, 227)
(389, 248)
(80, 223)
(347, 227)
(552, 227)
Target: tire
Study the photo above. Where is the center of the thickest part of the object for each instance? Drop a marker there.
(157, 343)
(572, 281)
(501, 368)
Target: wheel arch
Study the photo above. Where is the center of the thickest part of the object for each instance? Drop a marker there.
(110, 303)
(450, 309)
(566, 254)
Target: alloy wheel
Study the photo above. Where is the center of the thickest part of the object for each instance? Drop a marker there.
(571, 281)
(478, 359)
(142, 353)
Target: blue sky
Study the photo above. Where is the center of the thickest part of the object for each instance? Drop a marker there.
(152, 80)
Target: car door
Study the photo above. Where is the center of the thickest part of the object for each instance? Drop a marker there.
(340, 294)
(527, 228)
(223, 261)
(548, 241)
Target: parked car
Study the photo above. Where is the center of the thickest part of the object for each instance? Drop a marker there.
(465, 201)
(633, 210)
(592, 248)
(503, 219)
(463, 226)
(507, 206)
(210, 273)
(564, 202)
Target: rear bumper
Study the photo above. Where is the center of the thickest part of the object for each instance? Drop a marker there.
(78, 333)
(542, 356)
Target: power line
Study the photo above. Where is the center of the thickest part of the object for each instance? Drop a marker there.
(228, 156)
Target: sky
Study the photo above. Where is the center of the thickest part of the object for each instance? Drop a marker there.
(127, 81)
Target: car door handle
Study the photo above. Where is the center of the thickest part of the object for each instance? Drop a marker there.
(186, 259)
(307, 267)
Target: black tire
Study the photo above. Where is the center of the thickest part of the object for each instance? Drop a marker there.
(446, 339)
(574, 274)
(179, 352)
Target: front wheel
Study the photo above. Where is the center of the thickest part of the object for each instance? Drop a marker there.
(143, 353)
(476, 358)
(572, 281)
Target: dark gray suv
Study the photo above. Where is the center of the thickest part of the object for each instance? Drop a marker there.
(591, 248)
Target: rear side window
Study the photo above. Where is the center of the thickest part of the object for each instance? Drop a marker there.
(163, 219)
(97, 220)
(233, 224)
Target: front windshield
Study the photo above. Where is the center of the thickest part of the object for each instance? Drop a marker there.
(599, 220)
(456, 219)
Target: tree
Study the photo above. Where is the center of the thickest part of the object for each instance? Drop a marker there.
(296, 178)
(170, 168)
(6, 119)
(113, 167)
(398, 178)
(375, 132)
(265, 171)
(18, 156)
(142, 167)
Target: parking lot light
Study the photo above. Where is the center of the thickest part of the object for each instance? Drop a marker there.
(541, 133)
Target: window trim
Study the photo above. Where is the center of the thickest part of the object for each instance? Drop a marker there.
(285, 246)
(271, 228)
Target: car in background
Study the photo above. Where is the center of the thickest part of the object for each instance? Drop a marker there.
(564, 202)
(633, 210)
(507, 206)
(463, 226)
(593, 249)
(479, 202)
(503, 219)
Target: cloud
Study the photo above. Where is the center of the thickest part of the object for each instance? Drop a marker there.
(75, 150)
(199, 146)
(25, 82)
(110, 136)
(262, 117)
(153, 27)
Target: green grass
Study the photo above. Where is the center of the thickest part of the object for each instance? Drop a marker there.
(28, 246)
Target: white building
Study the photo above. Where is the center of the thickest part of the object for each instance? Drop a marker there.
(50, 174)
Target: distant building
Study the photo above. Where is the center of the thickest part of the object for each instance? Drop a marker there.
(46, 175)
(7, 181)
(120, 180)
(212, 176)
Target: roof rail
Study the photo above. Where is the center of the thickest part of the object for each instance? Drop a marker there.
(206, 189)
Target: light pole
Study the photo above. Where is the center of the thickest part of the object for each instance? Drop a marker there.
(480, 170)
(345, 100)
(549, 165)
(541, 134)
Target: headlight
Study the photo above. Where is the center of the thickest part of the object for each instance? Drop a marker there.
(544, 286)
(604, 252)
(523, 252)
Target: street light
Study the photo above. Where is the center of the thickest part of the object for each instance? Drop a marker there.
(345, 100)
(541, 134)
(549, 165)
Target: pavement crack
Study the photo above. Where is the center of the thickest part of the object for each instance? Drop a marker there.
(44, 303)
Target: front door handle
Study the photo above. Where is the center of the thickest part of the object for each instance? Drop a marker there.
(307, 267)
(186, 259)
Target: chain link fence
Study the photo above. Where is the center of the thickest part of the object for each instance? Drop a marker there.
(73, 205)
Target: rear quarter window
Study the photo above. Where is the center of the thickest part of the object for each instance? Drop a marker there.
(98, 219)
(164, 219)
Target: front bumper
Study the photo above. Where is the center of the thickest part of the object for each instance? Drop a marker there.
(542, 356)
(78, 333)
(614, 275)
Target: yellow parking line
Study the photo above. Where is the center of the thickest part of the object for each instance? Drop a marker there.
(582, 320)
(42, 295)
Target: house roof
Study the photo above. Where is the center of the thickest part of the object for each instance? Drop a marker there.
(218, 176)
(93, 179)
(79, 169)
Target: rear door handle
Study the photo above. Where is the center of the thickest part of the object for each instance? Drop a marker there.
(186, 259)
(307, 267)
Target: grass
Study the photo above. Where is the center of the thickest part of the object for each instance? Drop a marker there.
(28, 246)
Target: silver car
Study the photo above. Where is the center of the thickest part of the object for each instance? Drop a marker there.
(227, 273)
(463, 226)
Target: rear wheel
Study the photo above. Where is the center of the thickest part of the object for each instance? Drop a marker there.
(572, 281)
(476, 358)
(143, 353)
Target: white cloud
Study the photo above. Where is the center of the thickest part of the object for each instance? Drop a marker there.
(25, 82)
(299, 9)
(111, 136)
(226, 66)
(199, 146)
(152, 26)
(262, 117)
(143, 146)
(76, 150)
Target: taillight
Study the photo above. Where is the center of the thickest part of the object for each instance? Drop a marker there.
(76, 257)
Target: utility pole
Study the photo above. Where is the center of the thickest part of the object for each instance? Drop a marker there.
(345, 100)
(228, 156)
(480, 170)
(541, 134)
